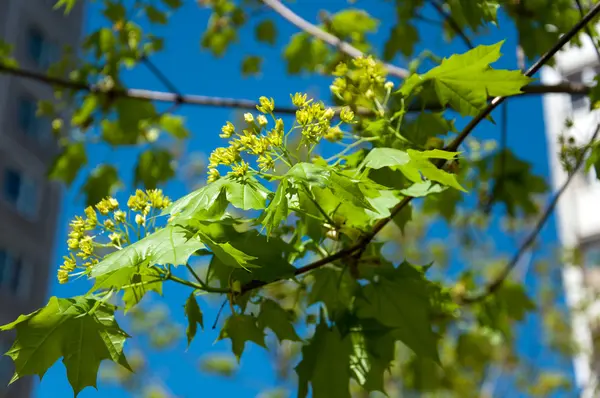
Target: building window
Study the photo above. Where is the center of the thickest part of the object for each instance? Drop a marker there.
(4, 260)
(41, 51)
(14, 274)
(27, 117)
(12, 186)
(30, 123)
(21, 192)
(35, 45)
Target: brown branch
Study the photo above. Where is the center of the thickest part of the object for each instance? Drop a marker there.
(162, 78)
(139, 94)
(452, 147)
(452, 22)
(531, 238)
(328, 38)
(588, 31)
(221, 102)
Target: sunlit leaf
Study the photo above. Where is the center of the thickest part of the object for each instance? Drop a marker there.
(80, 330)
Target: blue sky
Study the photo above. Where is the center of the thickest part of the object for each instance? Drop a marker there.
(195, 71)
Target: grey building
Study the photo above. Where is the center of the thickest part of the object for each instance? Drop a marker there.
(29, 203)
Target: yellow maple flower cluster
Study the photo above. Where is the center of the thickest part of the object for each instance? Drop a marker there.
(84, 231)
(267, 145)
(256, 139)
(365, 78)
(315, 120)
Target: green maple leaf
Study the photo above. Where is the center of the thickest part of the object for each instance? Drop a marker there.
(173, 125)
(346, 188)
(102, 182)
(271, 257)
(420, 166)
(372, 353)
(465, 81)
(169, 245)
(278, 208)
(400, 300)
(206, 203)
(515, 184)
(210, 201)
(309, 173)
(68, 163)
(67, 4)
(227, 253)
(414, 165)
(240, 329)
(353, 21)
(81, 330)
(140, 282)
(325, 364)
(385, 157)
(422, 188)
(333, 289)
(425, 126)
(247, 194)
(274, 317)
(266, 32)
(194, 316)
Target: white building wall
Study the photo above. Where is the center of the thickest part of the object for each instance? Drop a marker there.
(578, 211)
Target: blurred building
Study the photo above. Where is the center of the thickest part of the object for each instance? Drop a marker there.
(578, 211)
(29, 203)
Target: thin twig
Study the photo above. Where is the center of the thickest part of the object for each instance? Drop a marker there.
(452, 22)
(452, 147)
(162, 78)
(221, 102)
(588, 31)
(531, 238)
(214, 326)
(328, 38)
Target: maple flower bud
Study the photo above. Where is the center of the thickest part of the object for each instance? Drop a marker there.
(109, 224)
(266, 105)
(329, 114)
(347, 115)
(389, 86)
(63, 276)
(92, 218)
(115, 238)
(213, 175)
(334, 134)
(299, 99)
(119, 216)
(248, 117)
(262, 120)
(139, 219)
(227, 130)
(240, 170)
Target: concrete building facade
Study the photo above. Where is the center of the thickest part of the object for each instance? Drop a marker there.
(578, 211)
(29, 203)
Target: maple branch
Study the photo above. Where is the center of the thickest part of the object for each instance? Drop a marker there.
(588, 31)
(365, 240)
(223, 102)
(326, 37)
(162, 78)
(531, 238)
(452, 22)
